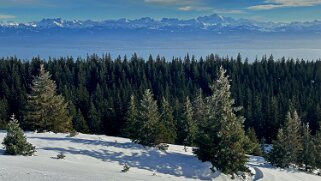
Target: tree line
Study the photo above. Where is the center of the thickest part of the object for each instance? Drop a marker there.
(98, 90)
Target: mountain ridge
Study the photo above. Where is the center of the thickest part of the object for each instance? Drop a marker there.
(212, 23)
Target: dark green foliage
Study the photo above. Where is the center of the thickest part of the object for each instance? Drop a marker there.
(221, 138)
(280, 155)
(79, 123)
(132, 123)
(288, 145)
(263, 88)
(167, 123)
(46, 111)
(15, 143)
(145, 128)
(252, 145)
(189, 124)
(307, 155)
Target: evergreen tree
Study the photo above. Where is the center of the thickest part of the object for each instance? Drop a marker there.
(280, 155)
(293, 136)
(15, 143)
(190, 125)
(45, 110)
(132, 124)
(252, 145)
(94, 121)
(149, 119)
(307, 156)
(200, 111)
(221, 138)
(80, 123)
(317, 143)
(167, 125)
(288, 143)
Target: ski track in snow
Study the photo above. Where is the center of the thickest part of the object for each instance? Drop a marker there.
(98, 157)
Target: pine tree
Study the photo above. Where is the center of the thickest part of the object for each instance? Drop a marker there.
(307, 156)
(221, 138)
(289, 142)
(15, 143)
(293, 136)
(200, 111)
(132, 124)
(80, 123)
(190, 125)
(167, 126)
(45, 110)
(280, 155)
(149, 118)
(252, 143)
(94, 121)
(317, 143)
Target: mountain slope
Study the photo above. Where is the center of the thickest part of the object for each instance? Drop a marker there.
(91, 157)
(212, 23)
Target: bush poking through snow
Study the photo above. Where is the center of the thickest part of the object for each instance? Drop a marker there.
(73, 133)
(61, 156)
(15, 143)
(162, 146)
(125, 168)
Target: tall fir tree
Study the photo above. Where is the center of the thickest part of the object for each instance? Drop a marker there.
(293, 135)
(149, 119)
(307, 155)
(221, 138)
(80, 124)
(168, 124)
(45, 110)
(15, 143)
(280, 155)
(288, 146)
(190, 125)
(252, 144)
(200, 111)
(132, 125)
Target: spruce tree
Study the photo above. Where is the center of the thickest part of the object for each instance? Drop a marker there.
(149, 119)
(307, 155)
(221, 139)
(132, 126)
(252, 145)
(167, 123)
(280, 155)
(45, 110)
(190, 125)
(80, 124)
(317, 143)
(288, 143)
(200, 111)
(15, 143)
(293, 135)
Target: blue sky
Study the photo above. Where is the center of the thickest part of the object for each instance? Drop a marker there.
(263, 10)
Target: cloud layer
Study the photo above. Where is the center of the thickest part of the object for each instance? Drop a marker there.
(272, 4)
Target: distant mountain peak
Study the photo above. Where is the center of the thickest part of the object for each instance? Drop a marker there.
(212, 23)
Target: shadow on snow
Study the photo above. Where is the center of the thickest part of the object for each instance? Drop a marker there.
(151, 159)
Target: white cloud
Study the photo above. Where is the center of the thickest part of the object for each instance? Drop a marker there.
(272, 4)
(6, 16)
(211, 10)
(173, 2)
(194, 8)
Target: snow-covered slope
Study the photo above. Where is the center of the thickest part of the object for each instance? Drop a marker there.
(92, 157)
(213, 23)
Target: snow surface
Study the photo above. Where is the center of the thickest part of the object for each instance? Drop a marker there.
(97, 157)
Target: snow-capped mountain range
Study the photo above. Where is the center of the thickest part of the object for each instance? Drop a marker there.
(212, 23)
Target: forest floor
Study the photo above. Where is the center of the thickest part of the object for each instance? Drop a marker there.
(98, 157)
